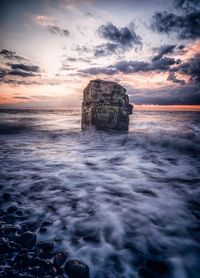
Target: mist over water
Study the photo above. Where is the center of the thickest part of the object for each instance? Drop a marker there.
(122, 203)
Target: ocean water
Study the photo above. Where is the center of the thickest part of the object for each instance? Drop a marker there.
(126, 204)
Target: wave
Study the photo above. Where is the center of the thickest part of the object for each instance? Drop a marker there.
(127, 204)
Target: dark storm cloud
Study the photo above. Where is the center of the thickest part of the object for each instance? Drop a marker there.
(23, 70)
(185, 23)
(23, 67)
(21, 97)
(3, 73)
(26, 82)
(11, 55)
(81, 49)
(21, 73)
(67, 67)
(123, 36)
(127, 67)
(79, 59)
(16, 69)
(187, 5)
(163, 50)
(119, 39)
(56, 30)
(99, 70)
(186, 27)
(162, 64)
(172, 77)
(106, 49)
(190, 68)
(180, 95)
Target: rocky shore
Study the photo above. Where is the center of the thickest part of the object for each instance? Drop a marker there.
(23, 255)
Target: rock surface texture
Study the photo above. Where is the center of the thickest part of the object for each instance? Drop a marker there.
(105, 106)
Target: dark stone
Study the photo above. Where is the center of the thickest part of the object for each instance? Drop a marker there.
(76, 269)
(43, 230)
(51, 270)
(6, 196)
(106, 106)
(19, 212)
(7, 229)
(21, 257)
(194, 205)
(2, 274)
(37, 262)
(158, 267)
(4, 246)
(60, 258)
(145, 273)
(27, 240)
(14, 247)
(46, 223)
(21, 261)
(46, 246)
(45, 255)
(11, 209)
(36, 271)
(29, 226)
(10, 219)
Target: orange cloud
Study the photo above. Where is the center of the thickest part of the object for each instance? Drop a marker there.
(167, 107)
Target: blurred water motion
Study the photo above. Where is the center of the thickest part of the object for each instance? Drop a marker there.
(125, 203)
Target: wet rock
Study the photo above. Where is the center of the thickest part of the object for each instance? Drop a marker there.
(21, 256)
(4, 246)
(10, 219)
(145, 273)
(45, 255)
(2, 274)
(6, 229)
(45, 246)
(60, 258)
(105, 106)
(76, 269)
(194, 206)
(36, 271)
(46, 223)
(51, 270)
(27, 240)
(19, 212)
(6, 196)
(30, 225)
(11, 209)
(159, 268)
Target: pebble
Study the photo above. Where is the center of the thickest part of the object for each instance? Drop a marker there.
(60, 258)
(11, 209)
(159, 267)
(22, 257)
(46, 246)
(6, 196)
(145, 273)
(76, 269)
(27, 240)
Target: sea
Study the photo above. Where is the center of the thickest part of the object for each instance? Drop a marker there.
(127, 204)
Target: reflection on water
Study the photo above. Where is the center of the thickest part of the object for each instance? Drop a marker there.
(126, 204)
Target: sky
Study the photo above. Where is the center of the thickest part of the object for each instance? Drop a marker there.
(51, 49)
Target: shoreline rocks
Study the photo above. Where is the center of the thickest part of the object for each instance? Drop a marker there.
(106, 106)
(22, 255)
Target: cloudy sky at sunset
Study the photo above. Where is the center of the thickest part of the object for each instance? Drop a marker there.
(50, 49)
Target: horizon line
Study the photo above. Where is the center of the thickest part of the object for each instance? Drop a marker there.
(136, 107)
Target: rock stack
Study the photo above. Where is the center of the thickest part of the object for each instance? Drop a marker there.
(105, 106)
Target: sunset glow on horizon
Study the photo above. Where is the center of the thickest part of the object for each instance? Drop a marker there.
(57, 47)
